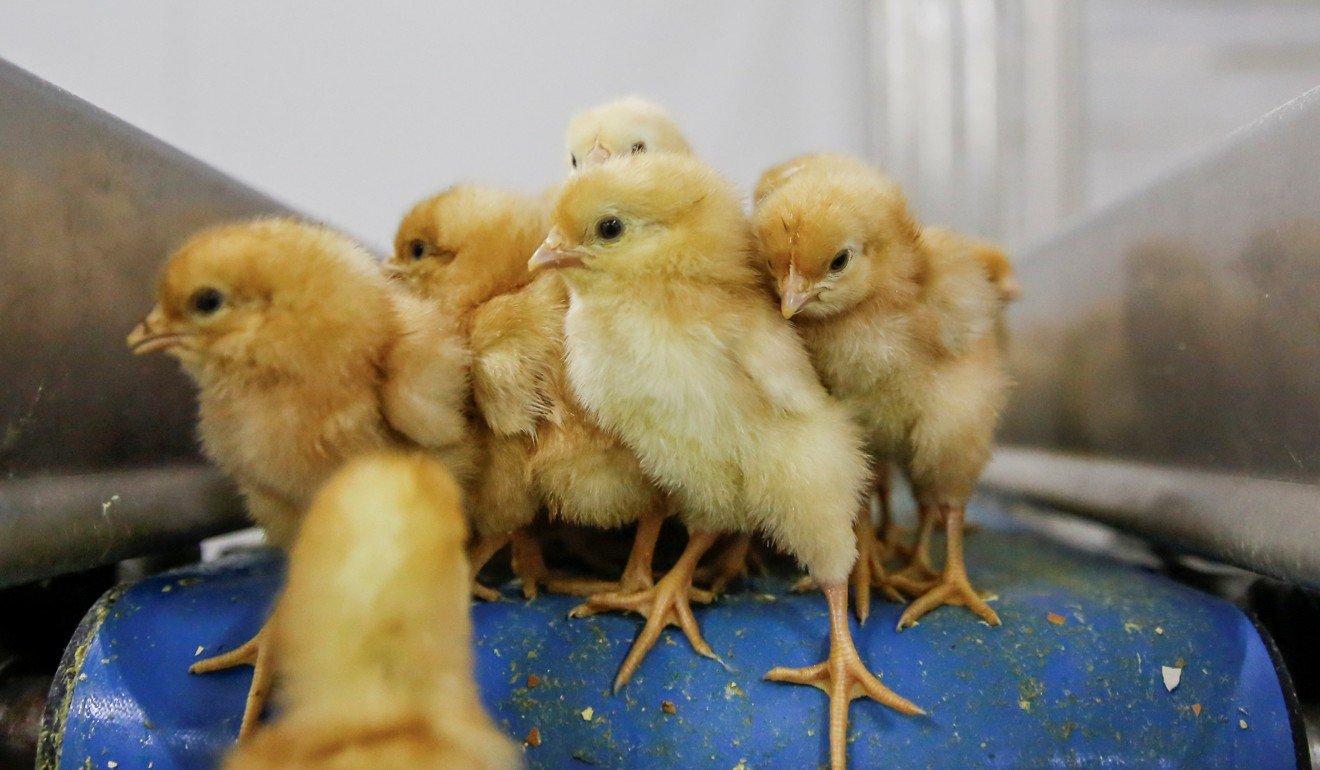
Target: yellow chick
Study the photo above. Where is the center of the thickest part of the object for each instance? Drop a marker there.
(456, 251)
(622, 128)
(546, 449)
(373, 632)
(904, 334)
(303, 357)
(672, 346)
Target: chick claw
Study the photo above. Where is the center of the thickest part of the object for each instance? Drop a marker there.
(843, 677)
(667, 603)
(953, 588)
(255, 652)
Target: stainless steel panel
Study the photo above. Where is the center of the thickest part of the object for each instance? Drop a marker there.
(1180, 329)
(89, 208)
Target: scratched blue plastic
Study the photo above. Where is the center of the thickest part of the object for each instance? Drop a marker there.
(1032, 693)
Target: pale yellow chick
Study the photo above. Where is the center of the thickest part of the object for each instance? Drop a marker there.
(304, 357)
(622, 128)
(373, 632)
(904, 334)
(673, 347)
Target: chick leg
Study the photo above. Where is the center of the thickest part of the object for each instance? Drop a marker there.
(480, 552)
(731, 564)
(954, 587)
(868, 571)
(843, 676)
(636, 573)
(918, 576)
(664, 604)
(528, 562)
(888, 531)
(255, 652)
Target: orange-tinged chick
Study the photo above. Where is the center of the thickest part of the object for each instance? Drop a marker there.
(904, 334)
(302, 354)
(373, 632)
(997, 264)
(552, 452)
(456, 251)
(622, 128)
(672, 346)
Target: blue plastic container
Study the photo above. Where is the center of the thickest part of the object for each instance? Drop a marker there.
(1085, 692)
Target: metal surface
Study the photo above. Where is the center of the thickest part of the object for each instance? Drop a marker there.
(1180, 330)
(1192, 510)
(1033, 693)
(89, 208)
(54, 524)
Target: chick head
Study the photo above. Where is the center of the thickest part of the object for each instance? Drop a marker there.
(831, 238)
(629, 126)
(265, 297)
(466, 244)
(647, 217)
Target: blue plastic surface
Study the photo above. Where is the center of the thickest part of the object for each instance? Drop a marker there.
(1033, 693)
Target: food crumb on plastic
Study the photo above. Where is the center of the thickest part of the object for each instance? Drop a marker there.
(533, 738)
(1196, 709)
(668, 707)
(199, 650)
(1159, 630)
(1056, 618)
(1242, 723)
(533, 680)
(1172, 677)
(588, 713)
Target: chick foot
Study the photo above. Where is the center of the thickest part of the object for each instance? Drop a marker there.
(255, 652)
(843, 677)
(667, 603)
(919, 576)
(732, 564)
(953, 588)
(636, 573)
(479, 552)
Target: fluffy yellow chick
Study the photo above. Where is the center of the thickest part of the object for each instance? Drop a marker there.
(625, 127)
(673, 347)
(373, 632)
(303, 357)
(902, 333)
(620, 129)
(474, 244)
(999, 268)
(456, 251)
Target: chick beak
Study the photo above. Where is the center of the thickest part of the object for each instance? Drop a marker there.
(153, 335)
(598, 154)
(794, 292)
(553, 253)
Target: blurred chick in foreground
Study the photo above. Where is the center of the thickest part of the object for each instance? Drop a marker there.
(515, 324)
(374, 634)
(902, 332)
(628, 126)
(673, 347)
(304, 357)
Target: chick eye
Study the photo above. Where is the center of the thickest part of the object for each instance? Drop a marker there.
(206, 300)
(841, 260)
(417, 249)
(573, 159)
(638, 147)
(609, 228)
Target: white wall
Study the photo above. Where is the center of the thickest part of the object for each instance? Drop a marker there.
(350, 111)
